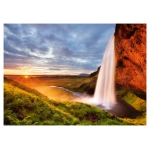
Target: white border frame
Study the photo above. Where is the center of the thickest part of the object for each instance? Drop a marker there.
(72, 137)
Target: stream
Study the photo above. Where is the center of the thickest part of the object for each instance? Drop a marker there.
(77, 94)
(59, 93)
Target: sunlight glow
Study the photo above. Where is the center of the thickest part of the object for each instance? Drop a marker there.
(26, 76)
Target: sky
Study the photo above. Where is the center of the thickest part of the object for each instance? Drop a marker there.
(50, 49)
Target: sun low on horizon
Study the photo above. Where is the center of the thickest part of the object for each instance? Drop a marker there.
(54, 49)
(57, 69)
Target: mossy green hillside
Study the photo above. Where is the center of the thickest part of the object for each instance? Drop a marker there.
(24, 106)
(136, 102)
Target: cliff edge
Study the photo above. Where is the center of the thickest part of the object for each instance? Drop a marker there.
(130, 51)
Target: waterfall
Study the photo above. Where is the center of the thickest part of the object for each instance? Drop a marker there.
(105, 87)
(105, 96)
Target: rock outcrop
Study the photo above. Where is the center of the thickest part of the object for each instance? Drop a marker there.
(130, 51)
(96, 72)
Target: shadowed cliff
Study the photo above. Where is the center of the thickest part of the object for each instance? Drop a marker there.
(130, 51)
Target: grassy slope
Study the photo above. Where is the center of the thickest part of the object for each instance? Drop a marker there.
(137, 103)
(88, 85)
(24, 106)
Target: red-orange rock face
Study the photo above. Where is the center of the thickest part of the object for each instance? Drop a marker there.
(130, 49)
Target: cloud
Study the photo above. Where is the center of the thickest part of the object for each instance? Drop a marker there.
(70, 47)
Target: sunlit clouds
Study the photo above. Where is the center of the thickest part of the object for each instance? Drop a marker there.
(54, 48)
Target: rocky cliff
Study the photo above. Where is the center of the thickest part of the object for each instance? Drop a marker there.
(130, 51)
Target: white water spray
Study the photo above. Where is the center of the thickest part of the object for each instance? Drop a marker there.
(105, 87)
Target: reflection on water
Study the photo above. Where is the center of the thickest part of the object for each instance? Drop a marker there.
(58, 93)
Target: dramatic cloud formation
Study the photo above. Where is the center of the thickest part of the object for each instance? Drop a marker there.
(55, 48)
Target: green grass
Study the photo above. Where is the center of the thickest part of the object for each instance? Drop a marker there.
(136, 102)
(88, 85)
(25, 106)
(132, 99)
